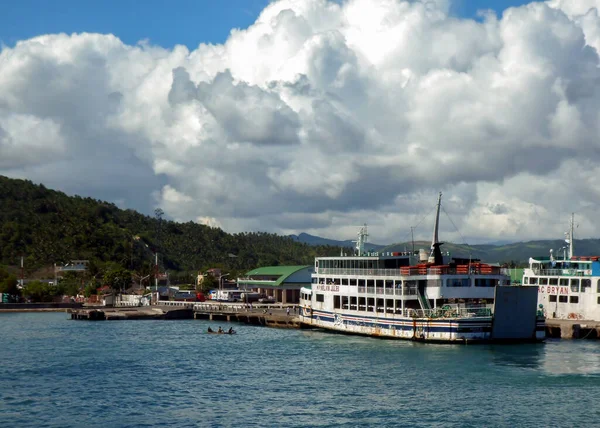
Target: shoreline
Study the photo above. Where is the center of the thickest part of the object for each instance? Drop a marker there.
(34, 310)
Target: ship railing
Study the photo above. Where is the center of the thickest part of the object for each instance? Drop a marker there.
(178, 303)
(413, 270)
(358, 272)
(562, 272)
(450, 312)
(408, 291)
(483, 312)
(227, 307)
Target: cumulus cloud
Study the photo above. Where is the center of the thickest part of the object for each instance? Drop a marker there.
(324, 115)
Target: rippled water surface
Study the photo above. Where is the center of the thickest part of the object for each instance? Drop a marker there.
(63, 373)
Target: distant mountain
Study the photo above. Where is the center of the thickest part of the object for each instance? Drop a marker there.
(305, 238)
(515, 252)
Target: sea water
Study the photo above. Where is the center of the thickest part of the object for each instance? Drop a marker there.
(62, 373)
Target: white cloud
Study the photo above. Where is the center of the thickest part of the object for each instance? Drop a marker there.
(322, 116)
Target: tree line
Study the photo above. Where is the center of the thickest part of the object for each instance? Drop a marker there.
(48, 227)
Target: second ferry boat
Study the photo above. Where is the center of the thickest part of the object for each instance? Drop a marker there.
(437, 299)
(568, 286)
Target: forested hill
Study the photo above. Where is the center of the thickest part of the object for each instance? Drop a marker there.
(47, 227)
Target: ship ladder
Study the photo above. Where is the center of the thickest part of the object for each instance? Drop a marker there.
(423, 300)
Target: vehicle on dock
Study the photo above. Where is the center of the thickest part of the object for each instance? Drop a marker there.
(568, 285)
(226, 295)
(436, 299)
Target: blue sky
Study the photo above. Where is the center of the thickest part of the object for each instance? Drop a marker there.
(165, 23)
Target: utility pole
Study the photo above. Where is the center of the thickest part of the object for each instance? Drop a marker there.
(22, 273)
(158, 213)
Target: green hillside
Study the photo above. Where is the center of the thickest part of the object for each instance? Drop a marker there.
(47, 227)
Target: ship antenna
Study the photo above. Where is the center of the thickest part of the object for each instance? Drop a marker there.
(436, 254)
(569, 236)
(362, 239)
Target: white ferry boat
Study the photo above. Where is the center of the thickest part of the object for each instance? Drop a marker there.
(438, 299)
(568, 286)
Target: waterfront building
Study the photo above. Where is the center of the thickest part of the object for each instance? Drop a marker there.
(283, 283)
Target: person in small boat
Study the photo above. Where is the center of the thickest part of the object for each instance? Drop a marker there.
(210, 330)
(230, 331)
(220, 330)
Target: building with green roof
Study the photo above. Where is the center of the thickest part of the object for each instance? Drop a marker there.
(516, 275)
(283, 283)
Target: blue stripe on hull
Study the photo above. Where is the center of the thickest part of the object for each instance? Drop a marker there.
(433, 326)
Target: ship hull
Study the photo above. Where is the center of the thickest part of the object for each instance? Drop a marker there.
(447, 330)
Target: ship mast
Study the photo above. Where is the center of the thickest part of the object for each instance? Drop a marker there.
(569, 234)
(362, 239)
(436, 254)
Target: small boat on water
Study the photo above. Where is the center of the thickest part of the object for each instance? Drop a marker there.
(568, 285)
(230, 331)
(419, 296)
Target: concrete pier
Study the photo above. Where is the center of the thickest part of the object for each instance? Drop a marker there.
(139, 313)
(572, 329)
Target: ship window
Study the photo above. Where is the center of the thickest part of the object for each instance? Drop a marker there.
(458, 282)
(362, 305)
(573, 299)
(574, 285)
(525, 280)
(553, 281)
(564, 281)
(336, 302)
(389, 283)
(485, 282)
(552, 298)
(370, 283)
(320, 297)
(598, 286)
(344, 281)
(532, 281)
(586, 283)
(314, 280)
(562, 299)
(599, 300)
(543, 281)
(379, 283)
(361, 282)
(353, 281)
